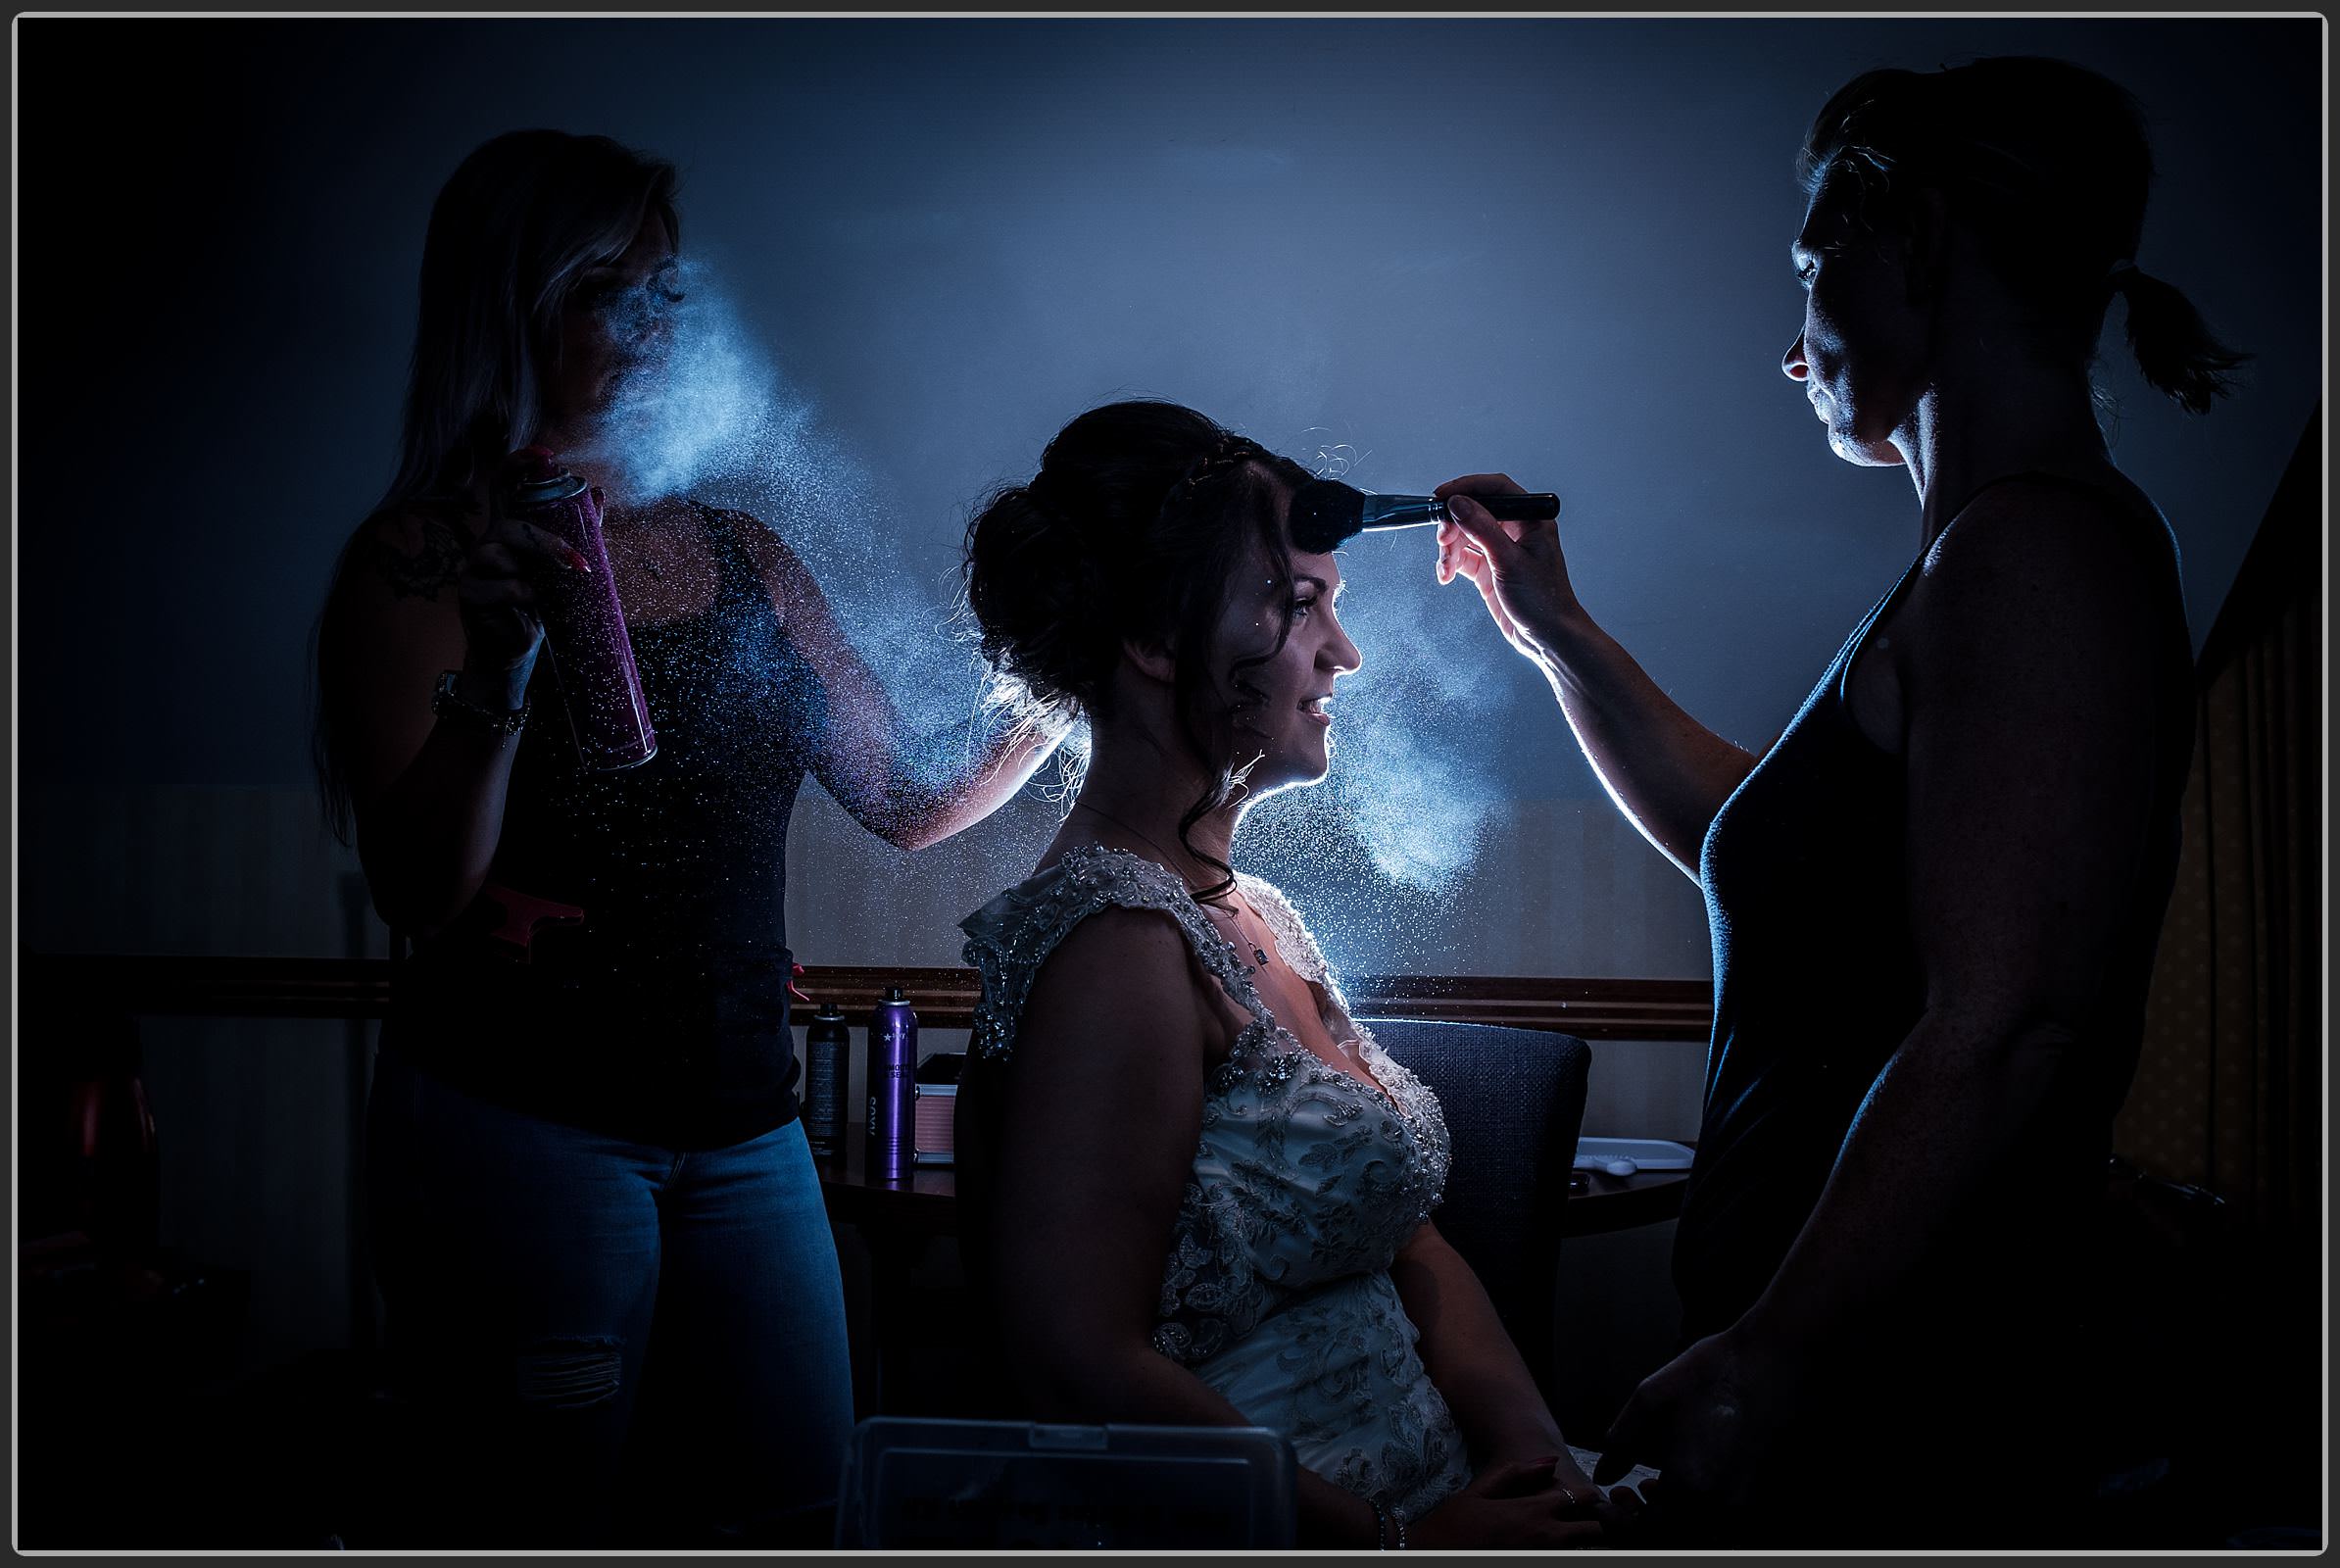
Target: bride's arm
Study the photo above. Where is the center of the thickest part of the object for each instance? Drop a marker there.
(1473, 1362)
(1102, 1107)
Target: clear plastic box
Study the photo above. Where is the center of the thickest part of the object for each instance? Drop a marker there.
(914, 1483)
(1650, 1153)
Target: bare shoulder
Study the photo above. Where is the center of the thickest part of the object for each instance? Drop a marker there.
(1116, 955)
(2042, 557)
(1122, 983)
(2042, 529)
(412, 552)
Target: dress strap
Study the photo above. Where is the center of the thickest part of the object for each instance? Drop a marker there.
(1009, 938)
(738, 576)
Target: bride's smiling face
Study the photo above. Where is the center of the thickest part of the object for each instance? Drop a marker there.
(1282, 707)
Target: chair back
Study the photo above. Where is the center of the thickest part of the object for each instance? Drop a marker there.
(1514, 1103)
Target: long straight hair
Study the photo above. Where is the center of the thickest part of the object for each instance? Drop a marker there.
(516, 225)
(514, 228)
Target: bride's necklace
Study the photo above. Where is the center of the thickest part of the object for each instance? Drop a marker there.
(1211, 903)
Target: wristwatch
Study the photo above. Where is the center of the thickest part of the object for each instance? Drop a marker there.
(445, 699)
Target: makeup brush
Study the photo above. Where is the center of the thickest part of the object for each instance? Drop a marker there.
(1326, 514)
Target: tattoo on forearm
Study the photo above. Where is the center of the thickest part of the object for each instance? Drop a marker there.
(439, 542)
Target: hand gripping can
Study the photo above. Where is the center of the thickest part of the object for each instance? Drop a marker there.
(893, 1087)
(593, 660)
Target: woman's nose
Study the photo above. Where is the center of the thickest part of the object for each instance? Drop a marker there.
(1791, 363)
(1344, 654)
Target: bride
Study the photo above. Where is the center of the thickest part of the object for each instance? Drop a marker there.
(1193, 1189)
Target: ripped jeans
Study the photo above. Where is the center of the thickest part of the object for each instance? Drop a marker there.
(604, 1342)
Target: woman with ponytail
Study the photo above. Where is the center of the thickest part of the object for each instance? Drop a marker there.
(1935, 899)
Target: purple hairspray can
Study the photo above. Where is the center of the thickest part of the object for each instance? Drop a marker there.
(893, 1087)
(593, 660)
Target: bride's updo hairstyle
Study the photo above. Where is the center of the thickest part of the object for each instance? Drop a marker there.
(2047, 164)
(1135, 529)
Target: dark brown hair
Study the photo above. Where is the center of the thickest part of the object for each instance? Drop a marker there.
(1141, 517)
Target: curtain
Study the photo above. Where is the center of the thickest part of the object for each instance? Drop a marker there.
(2230, 1087)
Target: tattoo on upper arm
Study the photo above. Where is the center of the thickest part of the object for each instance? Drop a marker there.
(419, 564)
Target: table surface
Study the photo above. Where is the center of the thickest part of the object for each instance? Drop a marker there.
(927, 1199)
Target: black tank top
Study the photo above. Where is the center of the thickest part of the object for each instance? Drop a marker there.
(1817, 982)
(660, 1014)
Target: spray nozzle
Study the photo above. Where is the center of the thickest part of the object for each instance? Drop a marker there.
(531, 462)
(794, 970)
(1326, 514)
(533, 475)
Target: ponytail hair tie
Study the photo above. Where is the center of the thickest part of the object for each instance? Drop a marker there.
(2119, 275)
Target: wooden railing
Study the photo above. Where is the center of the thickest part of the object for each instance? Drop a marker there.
(945, 997)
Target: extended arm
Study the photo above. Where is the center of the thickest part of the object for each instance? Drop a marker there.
(910, 790)
(1667, 773)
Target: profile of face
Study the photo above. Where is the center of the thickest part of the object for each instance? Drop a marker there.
(1283, 708)
(615, 323)
(1861, 356)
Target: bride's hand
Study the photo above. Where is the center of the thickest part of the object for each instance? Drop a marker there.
(1518, 568)
(1522, 1502)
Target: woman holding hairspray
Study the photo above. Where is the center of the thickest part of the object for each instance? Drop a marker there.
(592, 1203)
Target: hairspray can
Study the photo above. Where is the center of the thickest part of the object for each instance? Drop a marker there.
(892, 1087)
(827, 1038)
(584, 628)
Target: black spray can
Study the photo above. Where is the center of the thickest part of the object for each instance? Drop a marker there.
(827, 1040)
(893, 1087)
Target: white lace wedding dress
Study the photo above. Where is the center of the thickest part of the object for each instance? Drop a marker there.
(1306, 1182)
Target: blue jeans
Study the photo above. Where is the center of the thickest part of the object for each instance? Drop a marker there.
(608, 1340)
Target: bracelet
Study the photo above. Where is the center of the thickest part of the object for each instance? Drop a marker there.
(1380, 1525)
(445, 699)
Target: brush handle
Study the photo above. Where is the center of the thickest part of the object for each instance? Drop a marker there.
(1521, 508)
(1418, 511)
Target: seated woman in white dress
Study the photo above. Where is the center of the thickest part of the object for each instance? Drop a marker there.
(1194, 1191)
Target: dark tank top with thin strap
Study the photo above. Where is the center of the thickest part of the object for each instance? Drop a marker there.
(658, 1012)
(1817, 982)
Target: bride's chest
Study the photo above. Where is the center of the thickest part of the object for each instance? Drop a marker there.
(1329, 1175)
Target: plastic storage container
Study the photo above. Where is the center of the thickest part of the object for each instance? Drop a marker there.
(1649, 1153)
(912, 1483)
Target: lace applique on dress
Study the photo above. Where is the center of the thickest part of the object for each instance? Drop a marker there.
(1009, 938)
(1305, 1183)
(1409, 1093)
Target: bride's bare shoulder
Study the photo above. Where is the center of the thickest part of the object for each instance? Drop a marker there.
(1120, 984)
